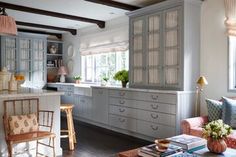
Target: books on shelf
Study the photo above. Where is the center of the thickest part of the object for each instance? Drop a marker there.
(151, 151)
(188, 142)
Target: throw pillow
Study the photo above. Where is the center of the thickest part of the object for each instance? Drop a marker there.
(20, 124)
(229, 112)
(214, 109)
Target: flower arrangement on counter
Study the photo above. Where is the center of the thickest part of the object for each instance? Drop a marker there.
(216, 130)
(77, 79)
(122, 76)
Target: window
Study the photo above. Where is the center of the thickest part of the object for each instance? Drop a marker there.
(97, 66)
(232, 63)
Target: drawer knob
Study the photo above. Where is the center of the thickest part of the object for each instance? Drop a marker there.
(121, 110)
(154, 116)
(154, 97)
(121, 120)
(154, 106)
(154, 127)
(121, 101)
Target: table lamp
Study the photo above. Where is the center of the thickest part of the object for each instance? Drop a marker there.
(62, 71)
(201, 82)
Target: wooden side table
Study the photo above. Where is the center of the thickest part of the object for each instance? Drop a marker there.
(129, 153)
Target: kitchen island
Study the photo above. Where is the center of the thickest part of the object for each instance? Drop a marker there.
(48, 100)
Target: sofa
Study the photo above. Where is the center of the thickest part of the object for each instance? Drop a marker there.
(193, 126)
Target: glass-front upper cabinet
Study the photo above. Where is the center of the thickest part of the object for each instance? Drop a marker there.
(38, 59)
(137, 73)
(9, 58)
(25, 58)
(172, 47)
(154, 65)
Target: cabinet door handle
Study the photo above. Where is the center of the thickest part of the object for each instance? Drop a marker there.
(121, 120)
(154, 127)
(154, 97)
(121, 101)
(154, 106)
(121, 110)
(154, 116)
(122, 93)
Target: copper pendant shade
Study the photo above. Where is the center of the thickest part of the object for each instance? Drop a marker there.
(7, 24)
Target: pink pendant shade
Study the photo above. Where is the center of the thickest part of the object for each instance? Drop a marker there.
(7, 25)
(62, 71)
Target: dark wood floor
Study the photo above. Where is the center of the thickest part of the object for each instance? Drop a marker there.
(97, 142)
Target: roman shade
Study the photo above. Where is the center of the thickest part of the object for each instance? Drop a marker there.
(105, 48)
(230, 13)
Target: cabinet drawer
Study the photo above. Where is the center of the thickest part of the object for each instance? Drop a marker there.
(156, 117)
(122, 102)
(123, 111)
(99, 91)
(154, 130)
(156, 107)
(122, 122)
(65, 88)
(121, 94)
(157, 97)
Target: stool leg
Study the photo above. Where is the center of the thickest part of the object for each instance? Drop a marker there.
(73, 129)
(71, 143)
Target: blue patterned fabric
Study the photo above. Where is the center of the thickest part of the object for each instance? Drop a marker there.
(214, 109)
(229, 112)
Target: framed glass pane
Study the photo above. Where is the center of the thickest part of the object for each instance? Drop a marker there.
(138, 27)
(172, 19)
(171, 57)
(154, 76)
(171, 38)
(171, 76)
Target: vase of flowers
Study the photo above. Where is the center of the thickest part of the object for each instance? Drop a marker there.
(77, 79)
(215, 132)
(122, 76)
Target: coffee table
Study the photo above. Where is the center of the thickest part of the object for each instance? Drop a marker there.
(201, 153)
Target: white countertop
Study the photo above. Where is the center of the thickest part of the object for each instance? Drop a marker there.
(25, 92)
(82, 85)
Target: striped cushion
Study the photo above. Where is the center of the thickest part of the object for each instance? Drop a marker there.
(214, 109)
(229, 112)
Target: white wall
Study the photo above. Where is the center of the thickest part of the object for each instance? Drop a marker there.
(214, 51)
(116, 30)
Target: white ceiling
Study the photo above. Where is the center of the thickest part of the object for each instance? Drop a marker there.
(72, 7)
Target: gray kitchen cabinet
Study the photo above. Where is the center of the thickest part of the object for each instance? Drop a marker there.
(25, 54)
(149, 112)
(165, 45)
(68, 97)
(100, 105)
(83, 107)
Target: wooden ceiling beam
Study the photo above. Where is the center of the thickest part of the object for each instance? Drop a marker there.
(115, 4)
(72, 31)
(100, 23)
(58, 35)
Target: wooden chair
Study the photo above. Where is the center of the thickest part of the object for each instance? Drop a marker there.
(23, 109)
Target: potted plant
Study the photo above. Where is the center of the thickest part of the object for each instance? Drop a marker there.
(215, 132)
(122, 76)
(104, 81)
(77, 79)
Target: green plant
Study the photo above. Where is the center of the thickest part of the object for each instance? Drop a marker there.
(78, 77)
(216, 130)
(122, 76)
(105, 78)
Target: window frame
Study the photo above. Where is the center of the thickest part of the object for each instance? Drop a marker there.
(231, 64)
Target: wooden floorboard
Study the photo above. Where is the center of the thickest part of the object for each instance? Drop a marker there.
(98, 142)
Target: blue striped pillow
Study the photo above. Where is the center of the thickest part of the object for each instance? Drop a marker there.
(214, 109)
(229, 112)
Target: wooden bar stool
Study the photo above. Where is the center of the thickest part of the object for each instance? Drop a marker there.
(67, 108)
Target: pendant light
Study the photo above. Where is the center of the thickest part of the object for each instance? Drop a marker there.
(7, 24)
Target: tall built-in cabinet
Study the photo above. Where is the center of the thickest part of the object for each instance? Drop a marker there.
(26, 55)
(165, 44)
(29, 55)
